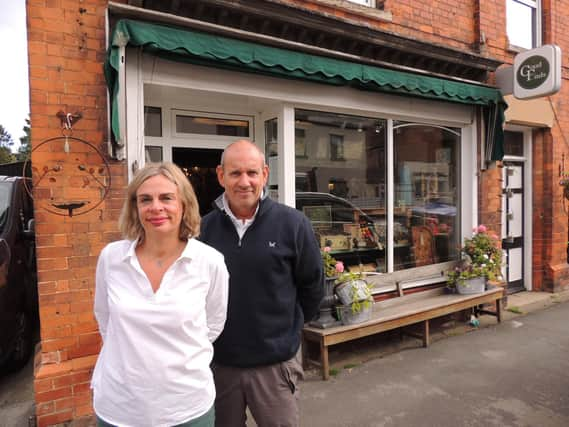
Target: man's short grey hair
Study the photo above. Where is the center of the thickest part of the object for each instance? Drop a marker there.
(222, 161)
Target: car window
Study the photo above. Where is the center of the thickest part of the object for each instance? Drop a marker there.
(351, 234)
(5, 196)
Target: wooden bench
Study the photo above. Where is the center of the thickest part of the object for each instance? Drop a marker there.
(398, 312)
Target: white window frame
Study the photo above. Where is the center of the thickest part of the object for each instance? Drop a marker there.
(536, 30)
(368, 3)
(175, 112)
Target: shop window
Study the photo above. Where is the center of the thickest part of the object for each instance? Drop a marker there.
(426, 185)
(152, 121)
(345, 200)
(523, 23)
(210, 124)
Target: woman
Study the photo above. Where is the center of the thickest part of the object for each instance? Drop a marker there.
(160, 301)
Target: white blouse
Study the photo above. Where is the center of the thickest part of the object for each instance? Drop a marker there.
(154, 367)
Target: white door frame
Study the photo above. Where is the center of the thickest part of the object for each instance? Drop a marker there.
(528, 202)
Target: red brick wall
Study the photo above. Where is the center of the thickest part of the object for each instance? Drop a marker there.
(66, 40)
(551, 212)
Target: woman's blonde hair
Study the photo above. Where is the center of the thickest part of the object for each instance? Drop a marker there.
(129, 222)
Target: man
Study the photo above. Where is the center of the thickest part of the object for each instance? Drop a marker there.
(275, 285)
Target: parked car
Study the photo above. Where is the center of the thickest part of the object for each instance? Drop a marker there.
(354, 237)
(18, 277)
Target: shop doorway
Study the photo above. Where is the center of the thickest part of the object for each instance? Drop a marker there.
(513, 225)
(199, 166)
(516, 209)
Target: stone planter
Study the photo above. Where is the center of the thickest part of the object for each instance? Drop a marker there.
(325, 317)
(474, 285)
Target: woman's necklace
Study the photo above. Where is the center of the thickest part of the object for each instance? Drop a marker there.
(160, 262)
(164, 260)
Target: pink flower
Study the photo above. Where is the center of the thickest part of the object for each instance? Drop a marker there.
(482, 228)
(340, 267)
(327, 249)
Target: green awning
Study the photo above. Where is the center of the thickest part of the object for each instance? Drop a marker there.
(222, 52)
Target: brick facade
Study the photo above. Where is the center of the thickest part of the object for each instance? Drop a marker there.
(66, 40)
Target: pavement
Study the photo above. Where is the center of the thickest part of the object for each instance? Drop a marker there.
(17, 397)
(511, 374)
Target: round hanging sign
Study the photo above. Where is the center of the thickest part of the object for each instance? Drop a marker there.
(533, 72)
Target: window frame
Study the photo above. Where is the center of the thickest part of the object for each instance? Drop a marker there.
(367, 3)
(181, 112)
(536, 30)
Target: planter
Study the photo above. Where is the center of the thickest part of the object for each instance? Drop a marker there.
(325, 318)
(352, 290)
(348, 317)
(475, 285)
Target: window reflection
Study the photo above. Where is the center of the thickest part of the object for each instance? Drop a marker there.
(152, 121)
(340, 184)
(426, 222)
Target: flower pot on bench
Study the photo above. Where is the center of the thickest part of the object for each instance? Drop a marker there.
(348, 317)
(352, 290)
(474, 285)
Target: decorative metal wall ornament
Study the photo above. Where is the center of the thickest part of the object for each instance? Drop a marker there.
(75, 178)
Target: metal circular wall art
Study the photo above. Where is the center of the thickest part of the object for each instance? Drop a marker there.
(73, 179)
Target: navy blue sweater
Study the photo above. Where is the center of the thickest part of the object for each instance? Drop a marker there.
(275, 284)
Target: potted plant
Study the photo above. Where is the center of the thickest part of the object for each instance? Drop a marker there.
(354, 293)
(481, 261)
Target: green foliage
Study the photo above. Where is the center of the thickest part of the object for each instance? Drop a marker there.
(6, 142)
(515, 309)
(331, 266)
(5, 138)
(481, 257)
(6, 155)
(348, 276)
(25, 142)
(355, 280)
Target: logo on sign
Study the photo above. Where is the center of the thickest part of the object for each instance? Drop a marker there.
(533, 72)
